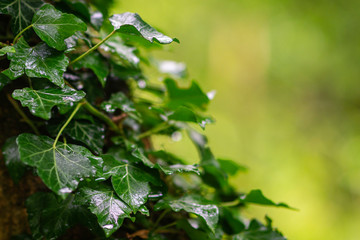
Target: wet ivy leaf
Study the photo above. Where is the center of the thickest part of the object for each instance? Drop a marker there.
(13, 163)
(96, 63)
(91, 134)
(177, 168)
(192, 204)
(97, 20)
(185, 114)
(22, 12)
(7, 49)
(131, 23)
(131, 182)
(104, 203)
(175, 69)
(50, 217)
(4, 80)
(120, 101)
(257, 197)
(192, 96)
(40, 102)
(231, 167)
(53, 26)
(60, 167)
(40, 61)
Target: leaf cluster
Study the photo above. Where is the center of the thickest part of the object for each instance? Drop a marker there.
(95, 111)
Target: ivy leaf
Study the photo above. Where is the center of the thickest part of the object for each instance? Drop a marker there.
(193, 204)
(120, 101)
(175, 69)
(192, 96)
(131, 23)
(104, 203)
(97, 20)
(91, 134)
(96, 63)
(4, 80)
(12, 159)
(177, 168)
(50, 217)
(257, 197)
(40, 102)
(60, 167)
(53, 26)
(130, 181)
(231, 167)
(40, 61)
(22, 12)
(185, 114)
(6, 49)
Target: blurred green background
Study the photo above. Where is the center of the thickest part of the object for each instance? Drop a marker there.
(287, 104)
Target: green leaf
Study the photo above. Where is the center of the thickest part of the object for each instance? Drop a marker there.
(175, 69)
(192, 96)
(53, 26)
(60, 167)
(192, 204)
(13, 163)
(177, 168)
(6, 49)
(22, 12)
(104, 203)
(50, 217)
(257, 197)
(91, 134)
(40, 102)
(185, 114)
(4, 80)
(97, 20)
(120, 101)
(131, 23)
(131, 182)
(231, 167)
(40, 61)
(97, 64)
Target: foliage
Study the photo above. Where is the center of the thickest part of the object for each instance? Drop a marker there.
(110, 179)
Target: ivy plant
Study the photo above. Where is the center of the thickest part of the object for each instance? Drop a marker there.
(77, 78)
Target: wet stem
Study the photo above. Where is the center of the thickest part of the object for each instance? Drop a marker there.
(20, 33)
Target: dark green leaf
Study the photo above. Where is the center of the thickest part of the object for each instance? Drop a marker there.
(50, 217)
(193, 234)
(131, 23)
(97, 64)
(185, 114)
(60, 167)
(104, 203)
(7, 49)
(4, 80)
(130, 181)
(13, 163)
(192, 96)
(120, 101)
(53, 26)
(257, 197)
(22, 12)
(193, 204)
(91, 134)
(40, 61)
(40, 102)
(231, 167)
(176, 168)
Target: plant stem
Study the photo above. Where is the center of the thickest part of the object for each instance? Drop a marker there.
(23, 115)
(67, 122)
(93, 48)
(166, 226)
(102, 116)
(20, 33)
(158, 128)
(158, 220)
(230, 204)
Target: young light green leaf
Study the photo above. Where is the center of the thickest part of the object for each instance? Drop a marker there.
(192, 204)
(40, 61)
(257, 197)
(130, 181)
(192, 96)
(7, 49)
(40, 102)
(13, 163)
(131, 23)
(53, 26)
(185, 114)
(21, 11)
(104, 203)
(96, 63)
(60, 167)
(120, 101)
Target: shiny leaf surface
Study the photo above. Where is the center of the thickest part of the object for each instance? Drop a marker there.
(13, 163)
(53, 26)
(7, 49)
(185, 114)
(40, 102)
(40, 61)
(60, 167)
(120, 101)
(131, 23)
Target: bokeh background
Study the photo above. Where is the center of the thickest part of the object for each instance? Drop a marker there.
(286, 74)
